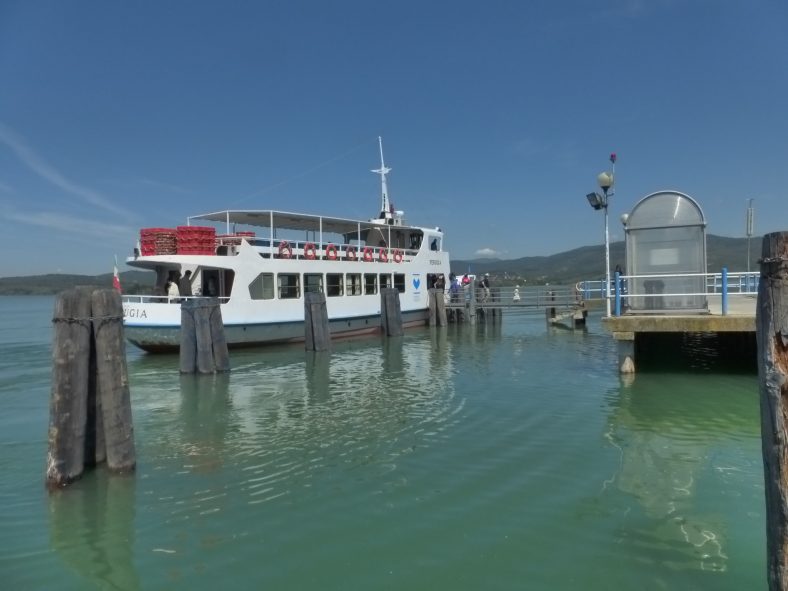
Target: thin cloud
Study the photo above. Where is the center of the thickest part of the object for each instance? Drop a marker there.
(166, 186)
(487, 253)
(70, 224)
(46, 171)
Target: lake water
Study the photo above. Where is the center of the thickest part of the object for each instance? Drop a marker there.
(507, 456)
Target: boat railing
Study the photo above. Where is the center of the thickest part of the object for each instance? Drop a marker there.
(309, 250)
(161, 299)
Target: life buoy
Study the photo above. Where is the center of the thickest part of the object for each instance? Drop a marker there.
(350, 253)
(367, 254)
(310, 252)
(331, 252)
(398, 256)
(383, 255)
(285, 251)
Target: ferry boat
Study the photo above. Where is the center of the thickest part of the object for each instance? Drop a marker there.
(264, 262)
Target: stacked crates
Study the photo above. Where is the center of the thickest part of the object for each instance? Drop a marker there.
(234, 239)
(158, 241)
(196, 240)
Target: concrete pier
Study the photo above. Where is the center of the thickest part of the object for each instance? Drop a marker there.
(632, 330)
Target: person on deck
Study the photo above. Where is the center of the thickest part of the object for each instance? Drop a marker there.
(172, 290)
(185, 284)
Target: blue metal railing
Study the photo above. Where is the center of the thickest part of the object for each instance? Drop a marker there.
(724, 284)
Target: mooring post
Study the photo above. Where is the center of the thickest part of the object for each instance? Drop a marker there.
(432, 305)
(316, 333)
(440, 307)
(472, 305)
(69, 397)
(221, 354)
(390, 312)
(112, 380)
(188, 346)
(772, 337)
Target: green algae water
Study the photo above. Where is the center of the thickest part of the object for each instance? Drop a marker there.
(507, 456)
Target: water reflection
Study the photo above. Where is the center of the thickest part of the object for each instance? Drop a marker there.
(666, 429)
(283, 416)
(91, 526)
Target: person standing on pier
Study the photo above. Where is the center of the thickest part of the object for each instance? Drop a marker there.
(485, 284)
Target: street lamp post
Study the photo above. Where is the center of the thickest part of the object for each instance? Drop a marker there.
(606, 180)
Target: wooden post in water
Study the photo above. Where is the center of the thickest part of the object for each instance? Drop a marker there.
(440, 307)
(203, 347)
(221, 354)
(69, 395)
(432, 305)
(202, 329)
(112, 380)
(317, 336)
(390, 313)
(772, 337)
(437, 303)
(188, 347)
(471, 305)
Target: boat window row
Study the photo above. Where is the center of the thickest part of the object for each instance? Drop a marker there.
(288, 286)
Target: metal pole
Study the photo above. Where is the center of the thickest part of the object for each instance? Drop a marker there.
(607, 264)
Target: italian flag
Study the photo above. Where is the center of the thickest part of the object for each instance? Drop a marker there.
(115, 278)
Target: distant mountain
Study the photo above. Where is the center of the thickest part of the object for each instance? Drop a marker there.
(586, 262)
(131, 282)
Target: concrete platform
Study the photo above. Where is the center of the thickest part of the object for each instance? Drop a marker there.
(626, 328)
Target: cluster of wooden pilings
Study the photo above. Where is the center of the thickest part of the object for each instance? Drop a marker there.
(90, 406)
(469, 308)
(203, 346)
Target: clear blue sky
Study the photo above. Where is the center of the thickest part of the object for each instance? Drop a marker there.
(496, 117)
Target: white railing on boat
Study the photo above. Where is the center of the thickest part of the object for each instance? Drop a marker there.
(161, 299)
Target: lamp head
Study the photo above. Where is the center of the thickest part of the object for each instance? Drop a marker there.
(596, 200)
(605, 181)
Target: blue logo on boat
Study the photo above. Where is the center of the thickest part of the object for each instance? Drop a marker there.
(416, 282)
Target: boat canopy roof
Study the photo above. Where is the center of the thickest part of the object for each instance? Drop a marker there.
(292, 221)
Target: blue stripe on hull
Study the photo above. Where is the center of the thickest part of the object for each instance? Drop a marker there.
(167, 338)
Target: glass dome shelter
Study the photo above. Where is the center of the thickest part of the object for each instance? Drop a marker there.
(666, 235)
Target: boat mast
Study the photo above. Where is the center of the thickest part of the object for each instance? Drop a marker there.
(385, 206)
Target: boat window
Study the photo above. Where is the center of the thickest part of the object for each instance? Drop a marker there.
(313, 283)
(415, 240)
(333, 284)
(399, 282)
(385, 280)
(262, 288)
(370, 284)
(353, 284)
(289, 287)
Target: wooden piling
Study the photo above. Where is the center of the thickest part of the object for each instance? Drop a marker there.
(68, 400)
(440, 307)
(112, 381)
(772, 338)
(221, 354)
(470, 306)
(437, 307)
(432, 306)
(188, 347)
(317, 336)
(390, 312)
(202, 330)
(203, 347)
